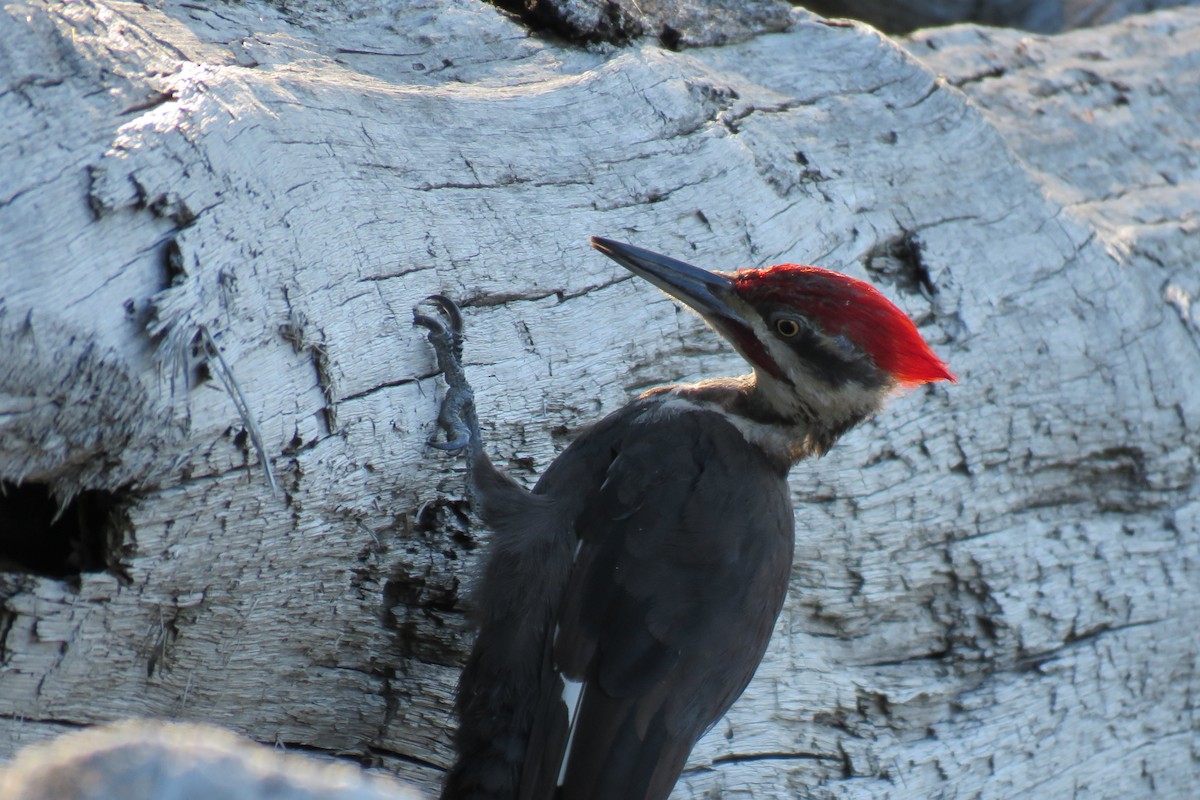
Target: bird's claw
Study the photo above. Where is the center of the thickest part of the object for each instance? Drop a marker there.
(449, 326)
(457, 415)
(453, 446)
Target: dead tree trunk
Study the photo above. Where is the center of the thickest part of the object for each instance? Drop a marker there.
(213, 226)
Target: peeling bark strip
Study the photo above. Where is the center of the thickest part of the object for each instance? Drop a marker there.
(997, 594)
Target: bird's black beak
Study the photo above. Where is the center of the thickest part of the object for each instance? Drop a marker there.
(704, 291)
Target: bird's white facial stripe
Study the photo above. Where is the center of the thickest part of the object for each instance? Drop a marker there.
(572, 696)
(783, 355)
(805, 392)
(783, 441)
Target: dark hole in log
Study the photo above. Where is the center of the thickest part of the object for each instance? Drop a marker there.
(39, 537)
(899, 260)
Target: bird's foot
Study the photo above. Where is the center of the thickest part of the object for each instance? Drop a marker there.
(457, 416)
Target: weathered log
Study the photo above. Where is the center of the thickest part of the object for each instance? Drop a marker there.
(995, 584)
(149, 761)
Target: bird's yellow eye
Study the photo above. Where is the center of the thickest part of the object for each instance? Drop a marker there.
(787, 327)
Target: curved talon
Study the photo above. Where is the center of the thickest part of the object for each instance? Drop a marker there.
(449, 308)
(457, 414)
(435, 326)
(451, 327)
(452, 446)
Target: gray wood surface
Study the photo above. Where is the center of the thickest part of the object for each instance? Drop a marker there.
(996, 583)
(144, 760)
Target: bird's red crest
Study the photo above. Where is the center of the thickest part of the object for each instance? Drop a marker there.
(844, 306)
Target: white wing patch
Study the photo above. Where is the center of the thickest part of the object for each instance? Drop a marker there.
(572, 695)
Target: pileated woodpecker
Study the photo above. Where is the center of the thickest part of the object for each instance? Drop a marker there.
(626, 601)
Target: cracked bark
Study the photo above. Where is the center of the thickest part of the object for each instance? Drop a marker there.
(990, 579)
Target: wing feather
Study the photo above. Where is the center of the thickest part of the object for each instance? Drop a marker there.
(684, 555)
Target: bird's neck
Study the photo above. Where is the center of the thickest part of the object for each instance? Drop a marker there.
(785, 433)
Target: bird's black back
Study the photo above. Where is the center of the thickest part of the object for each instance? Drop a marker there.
(650, 563)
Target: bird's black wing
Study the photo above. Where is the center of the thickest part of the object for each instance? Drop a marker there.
(684, 552)
(529, 558)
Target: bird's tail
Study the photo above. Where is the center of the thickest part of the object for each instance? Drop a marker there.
(528, 559)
